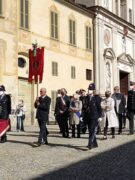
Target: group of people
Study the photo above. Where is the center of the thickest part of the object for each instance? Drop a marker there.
(96, 112)
(78, 111)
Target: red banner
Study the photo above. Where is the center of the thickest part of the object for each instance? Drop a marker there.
(4, 126)
(36, 65)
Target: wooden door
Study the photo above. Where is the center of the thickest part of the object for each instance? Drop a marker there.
(124, 82)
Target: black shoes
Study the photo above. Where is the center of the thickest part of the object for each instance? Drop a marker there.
(3, 140)
(38, 144)
(92, 146)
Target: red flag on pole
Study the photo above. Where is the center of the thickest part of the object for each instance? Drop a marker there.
(36, 64)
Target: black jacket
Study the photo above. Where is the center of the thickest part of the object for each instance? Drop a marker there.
(5, 106)
(43, 108)
(131, 101)
(93, 107)
(60, 107)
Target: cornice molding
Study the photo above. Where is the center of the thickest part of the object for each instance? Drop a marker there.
(100, 10)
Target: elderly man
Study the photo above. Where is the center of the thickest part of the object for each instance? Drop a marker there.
(62, 109)
(120, 103)
(42, 104)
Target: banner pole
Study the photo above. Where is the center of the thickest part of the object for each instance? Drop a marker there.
(37, 84)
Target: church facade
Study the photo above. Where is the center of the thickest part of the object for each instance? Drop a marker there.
(114, 42)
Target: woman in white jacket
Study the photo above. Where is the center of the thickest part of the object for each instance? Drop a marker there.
(109, 116)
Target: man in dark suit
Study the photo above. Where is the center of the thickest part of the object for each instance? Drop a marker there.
(5, 110)
(120, 103)
(56, 112)
(93, 108)
(42, 104)
(131, 109)
(62, 110)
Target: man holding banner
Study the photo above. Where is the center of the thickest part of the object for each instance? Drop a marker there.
(5, 110)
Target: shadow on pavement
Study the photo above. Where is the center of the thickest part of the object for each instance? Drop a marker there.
(115, 164)
(21, 142)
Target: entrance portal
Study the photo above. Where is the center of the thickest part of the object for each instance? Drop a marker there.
(124, 82)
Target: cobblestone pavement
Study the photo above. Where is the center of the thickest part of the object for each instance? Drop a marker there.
(66, 158)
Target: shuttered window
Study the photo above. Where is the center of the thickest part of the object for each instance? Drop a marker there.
(54, 25)
(88, 38)
(72, 34)
(1, 7)
(54, 69)
(24, 14)
(88, 74)
(123, 9)
(130, 15)
(73, 74)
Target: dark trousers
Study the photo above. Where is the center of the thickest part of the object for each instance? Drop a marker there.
(73, 130)
(58, 119)
(3, 138)
(124, 121)
(106, 129)
(120, 122)
(64, 123)
(19, 125)
(92, 125)
(131, 116)
(43, 131)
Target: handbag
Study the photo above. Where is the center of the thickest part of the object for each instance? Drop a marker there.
(23, 116)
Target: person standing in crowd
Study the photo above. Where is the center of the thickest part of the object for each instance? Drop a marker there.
(20, 114)
(83, 125)
(62, 109)
(56, 114)
(93, 108)
(109, 116)
(42, 104)
(120, 105)
(131, 109)
(75, 114)
(5, 110)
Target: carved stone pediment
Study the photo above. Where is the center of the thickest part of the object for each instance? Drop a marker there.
(109, 53)
(126, 58)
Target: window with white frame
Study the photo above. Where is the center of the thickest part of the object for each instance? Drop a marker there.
(24, 14)
(88, 38)
(54, 25)
(53, 99)
(54, 69)
(73, 74)
(72, 33)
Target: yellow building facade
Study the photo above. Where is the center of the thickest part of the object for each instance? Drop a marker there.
(66, 32)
